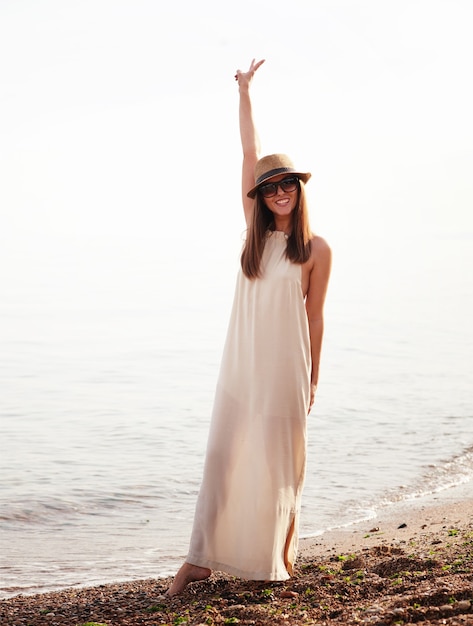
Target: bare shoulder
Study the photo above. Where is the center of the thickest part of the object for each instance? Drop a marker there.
(316, 271)
(320, 252)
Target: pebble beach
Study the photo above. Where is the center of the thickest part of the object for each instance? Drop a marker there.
(410, 567)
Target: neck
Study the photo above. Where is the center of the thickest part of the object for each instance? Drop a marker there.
(283, 224)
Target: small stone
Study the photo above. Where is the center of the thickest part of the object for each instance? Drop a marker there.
(234, 607)
(399, 611)
(463, 605)
(446, 608)
(289, 594)
(402, 526)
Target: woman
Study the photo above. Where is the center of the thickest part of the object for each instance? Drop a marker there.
(246, 520)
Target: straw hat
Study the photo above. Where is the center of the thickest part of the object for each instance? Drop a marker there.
(272, 165)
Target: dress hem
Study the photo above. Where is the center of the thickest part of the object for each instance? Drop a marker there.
(234, 571)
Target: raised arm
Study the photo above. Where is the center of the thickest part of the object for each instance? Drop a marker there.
(249, 137)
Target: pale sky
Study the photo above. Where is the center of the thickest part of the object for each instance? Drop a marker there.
(119, 136)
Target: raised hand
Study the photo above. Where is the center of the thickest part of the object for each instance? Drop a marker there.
(244, 78)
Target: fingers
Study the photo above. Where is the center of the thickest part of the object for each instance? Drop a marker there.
(313, 389)
(253, 67)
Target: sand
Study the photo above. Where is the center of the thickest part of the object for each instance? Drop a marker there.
(397, 525)
(411, 565)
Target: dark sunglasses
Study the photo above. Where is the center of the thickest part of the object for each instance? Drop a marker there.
(287, 184)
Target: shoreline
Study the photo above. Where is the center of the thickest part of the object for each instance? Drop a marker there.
(347, 537)
(397, 523)
(412, 563)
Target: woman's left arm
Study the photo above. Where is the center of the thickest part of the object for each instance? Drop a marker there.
(321, 260)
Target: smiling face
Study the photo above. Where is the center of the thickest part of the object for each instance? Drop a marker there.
(284, 201)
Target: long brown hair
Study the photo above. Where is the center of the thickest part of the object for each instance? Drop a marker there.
(298, 243)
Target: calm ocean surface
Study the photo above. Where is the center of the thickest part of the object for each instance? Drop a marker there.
(107, 381)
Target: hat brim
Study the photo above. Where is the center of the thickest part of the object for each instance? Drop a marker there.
(303, 176)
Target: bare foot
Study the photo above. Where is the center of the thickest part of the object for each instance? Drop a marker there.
(188, 573)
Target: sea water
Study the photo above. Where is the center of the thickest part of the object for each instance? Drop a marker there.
(107, 381)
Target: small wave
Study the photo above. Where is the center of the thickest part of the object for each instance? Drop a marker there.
(59, 510)
(361, 516)
(34, 513)
(438, 477)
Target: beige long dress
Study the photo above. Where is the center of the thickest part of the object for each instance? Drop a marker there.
(246, 519)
